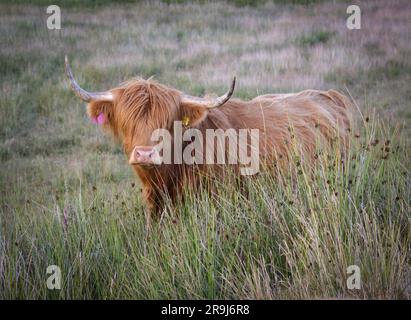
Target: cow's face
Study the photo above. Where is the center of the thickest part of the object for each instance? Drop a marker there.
(133, 111)
(138, 108)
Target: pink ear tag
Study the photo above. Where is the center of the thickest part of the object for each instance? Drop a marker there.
(100, 119)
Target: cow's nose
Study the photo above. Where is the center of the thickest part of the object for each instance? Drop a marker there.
(144, 155)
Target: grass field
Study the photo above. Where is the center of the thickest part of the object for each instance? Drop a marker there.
(69, 198)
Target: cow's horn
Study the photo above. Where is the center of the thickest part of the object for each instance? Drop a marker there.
(210, 103)
(83, 94)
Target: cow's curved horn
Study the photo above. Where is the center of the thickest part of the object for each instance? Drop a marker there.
(210, 103)
(83, 94)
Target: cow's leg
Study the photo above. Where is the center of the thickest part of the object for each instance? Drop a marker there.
(154, 202)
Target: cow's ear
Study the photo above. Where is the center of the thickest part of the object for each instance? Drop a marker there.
(192, 114)
(195, 109)
(100, 112)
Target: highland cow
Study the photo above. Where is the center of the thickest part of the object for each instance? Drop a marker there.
(137, 108)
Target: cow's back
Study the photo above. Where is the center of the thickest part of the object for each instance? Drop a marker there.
(304, 121)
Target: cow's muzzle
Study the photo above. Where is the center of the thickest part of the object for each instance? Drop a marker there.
(144, 155)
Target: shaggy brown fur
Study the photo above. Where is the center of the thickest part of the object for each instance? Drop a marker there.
(285, 121)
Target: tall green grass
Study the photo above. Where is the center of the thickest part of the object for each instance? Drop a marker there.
(288, 236)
